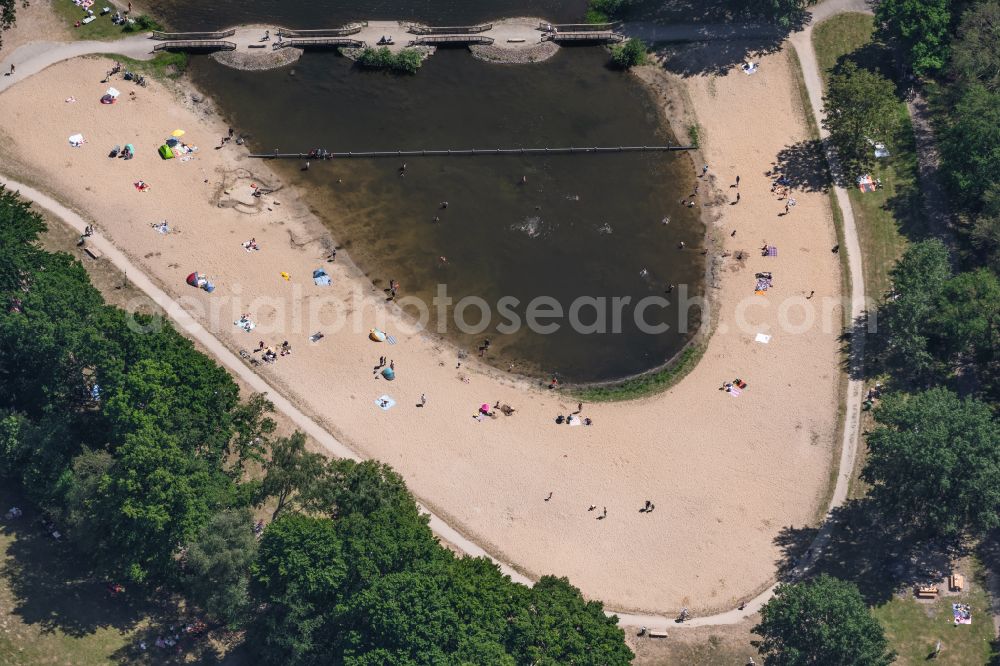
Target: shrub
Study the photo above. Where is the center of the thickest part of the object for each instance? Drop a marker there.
(629, 54)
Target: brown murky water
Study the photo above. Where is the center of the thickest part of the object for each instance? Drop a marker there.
(581, 226)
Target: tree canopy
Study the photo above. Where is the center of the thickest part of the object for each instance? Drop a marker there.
(860, 107)
(975, 54)
(783, 12)
(822, 621)
(136, 446)
(970, 147)
(934, 462)
(921, 28)
(629, 54)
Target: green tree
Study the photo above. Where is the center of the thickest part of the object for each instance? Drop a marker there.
(860, 107)
(8, 15)
(785, 13)
(964, 330)
(217, 566)
(155, 497)
(79, 489)
(605, 11)
(19, 225)
(345, 487)
(970, 147)
(297, 581)
(921, 28)
(822, 621)
(917, 278)
(252, 428)
(934, 463)
(290, 470)
(975, 54)
(629, 54)
(556, 626)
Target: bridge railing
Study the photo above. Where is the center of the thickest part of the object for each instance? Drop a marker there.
(195, 45)
(430, 40)
(349, 29)
(305, 42)
(577, 27)
(218, 34)
(586, 37)
(417, 29)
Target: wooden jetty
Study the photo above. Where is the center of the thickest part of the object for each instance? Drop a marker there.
(468, 152)
(187, 36)
(418, 29)
(195, 45)
(448, 40)
(320, 42)
(345, 31)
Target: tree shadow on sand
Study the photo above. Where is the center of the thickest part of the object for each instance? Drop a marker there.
(880, 556)
(803, 165)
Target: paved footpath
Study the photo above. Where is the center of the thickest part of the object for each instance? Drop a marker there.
(34, 57)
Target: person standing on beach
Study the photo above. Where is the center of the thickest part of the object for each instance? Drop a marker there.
(12, 69)
(704, 171)
(423, 400)
(737, 197)
(737, 182)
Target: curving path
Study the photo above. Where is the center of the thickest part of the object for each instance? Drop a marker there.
(34, 57)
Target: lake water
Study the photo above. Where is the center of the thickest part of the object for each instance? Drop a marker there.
(589, 225)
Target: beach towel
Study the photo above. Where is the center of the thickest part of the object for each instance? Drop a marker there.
(735, 392)
(385, 403)
(771, 251)
(391, 340)
(763, 338)
(749, 68)
(962, 613)
(320, 278)
(246, 324)
(574, 420)
(77, 140)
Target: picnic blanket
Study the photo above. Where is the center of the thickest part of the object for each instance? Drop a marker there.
(763, 284)
(735, 391)
(770, 251)
(962, 613)
(385, 403)
(865, 183)
(320, 278)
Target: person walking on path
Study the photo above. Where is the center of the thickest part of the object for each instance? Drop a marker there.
(704, 171)
(423, 400)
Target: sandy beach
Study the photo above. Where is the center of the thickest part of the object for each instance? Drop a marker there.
(726, 473)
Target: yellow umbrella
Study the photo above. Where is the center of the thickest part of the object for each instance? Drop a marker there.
(177, 132)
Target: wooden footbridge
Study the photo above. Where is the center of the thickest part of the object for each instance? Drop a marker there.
(450, 40)
(510, 34)
(345, 31)
(195, 45)
(419, 29)
(469, 152)
(193, 36)
(320, 42)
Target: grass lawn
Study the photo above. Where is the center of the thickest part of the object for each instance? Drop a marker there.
(913, 627)
(100, 29)
(887, 219)
(50, 612)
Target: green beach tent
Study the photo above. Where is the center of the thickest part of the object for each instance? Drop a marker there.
(165, 152)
